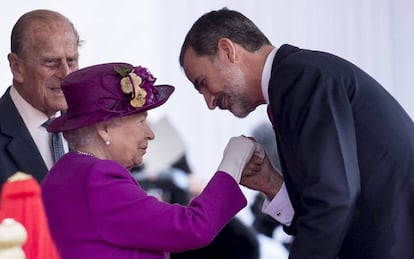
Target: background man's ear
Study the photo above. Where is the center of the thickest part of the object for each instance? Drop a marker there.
(15, 67)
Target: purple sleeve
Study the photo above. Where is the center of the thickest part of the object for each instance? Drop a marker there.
(126, 216)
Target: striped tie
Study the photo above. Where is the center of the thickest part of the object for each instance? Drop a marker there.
(57, 142)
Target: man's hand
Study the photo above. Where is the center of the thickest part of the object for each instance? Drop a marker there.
(260, 175)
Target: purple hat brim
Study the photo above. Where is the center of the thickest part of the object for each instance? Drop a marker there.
(65, 123)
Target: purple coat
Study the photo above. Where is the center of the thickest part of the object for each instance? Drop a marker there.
(96, 209)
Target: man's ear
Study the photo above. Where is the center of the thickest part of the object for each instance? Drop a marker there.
(16, 67)
(226, 50)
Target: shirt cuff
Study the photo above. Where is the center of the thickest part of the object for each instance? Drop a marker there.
(280, 208)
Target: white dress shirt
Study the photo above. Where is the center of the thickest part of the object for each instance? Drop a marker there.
(280, 207)
(33, 119)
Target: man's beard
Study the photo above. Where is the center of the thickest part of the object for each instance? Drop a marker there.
(236, 92)
(241, 106)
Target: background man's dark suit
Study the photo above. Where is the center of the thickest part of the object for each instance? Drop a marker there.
(18, 152)
(347, 154)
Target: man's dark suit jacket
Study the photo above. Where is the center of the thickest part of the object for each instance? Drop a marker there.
(18, 152)
(347, 154)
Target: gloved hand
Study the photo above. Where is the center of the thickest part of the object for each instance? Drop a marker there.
(237, 153)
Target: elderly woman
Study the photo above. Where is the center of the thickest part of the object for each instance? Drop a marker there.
(96, 209)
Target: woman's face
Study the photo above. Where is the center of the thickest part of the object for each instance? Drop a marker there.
(129, 139)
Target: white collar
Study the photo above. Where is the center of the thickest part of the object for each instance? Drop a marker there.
(267, 73)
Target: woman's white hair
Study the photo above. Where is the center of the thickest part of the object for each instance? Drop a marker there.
(77, 138)
(80, 137)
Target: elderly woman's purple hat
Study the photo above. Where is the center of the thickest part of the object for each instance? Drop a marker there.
(102, 92)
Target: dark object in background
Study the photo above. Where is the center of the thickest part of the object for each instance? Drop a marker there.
(262, 223)
(235, 241)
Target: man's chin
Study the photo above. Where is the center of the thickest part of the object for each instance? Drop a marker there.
(240, 115)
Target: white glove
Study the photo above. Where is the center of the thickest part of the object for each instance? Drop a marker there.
(237, 153)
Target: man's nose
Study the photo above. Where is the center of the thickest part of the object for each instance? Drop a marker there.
(210, 101)
(63, 70)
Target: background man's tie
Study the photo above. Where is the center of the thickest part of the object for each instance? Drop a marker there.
(57, 142)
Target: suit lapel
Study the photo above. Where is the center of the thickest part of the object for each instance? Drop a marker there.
(20, 147)
(274, 109)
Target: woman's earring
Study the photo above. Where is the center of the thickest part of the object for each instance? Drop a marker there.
(107, 142)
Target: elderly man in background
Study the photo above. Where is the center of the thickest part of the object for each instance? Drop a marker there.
(44, 49)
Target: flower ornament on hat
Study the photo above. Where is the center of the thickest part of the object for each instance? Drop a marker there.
(132, 83)
(102, 92)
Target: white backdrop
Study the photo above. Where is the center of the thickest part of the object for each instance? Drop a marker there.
(377, 35)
